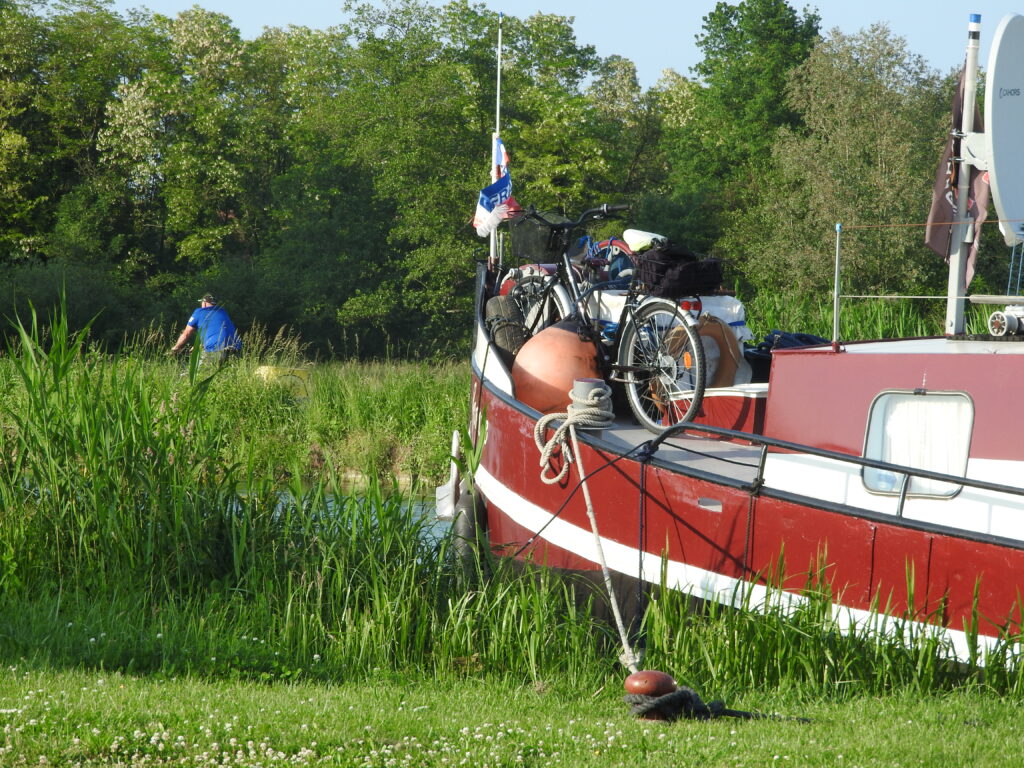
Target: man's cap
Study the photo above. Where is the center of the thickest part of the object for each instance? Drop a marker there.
(208, 298)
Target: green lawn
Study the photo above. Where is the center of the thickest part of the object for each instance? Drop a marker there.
(93, 718)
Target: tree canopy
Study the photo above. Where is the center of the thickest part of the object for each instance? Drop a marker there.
(324, 180)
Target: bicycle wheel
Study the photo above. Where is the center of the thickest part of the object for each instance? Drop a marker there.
(661, 360)
(542, 302)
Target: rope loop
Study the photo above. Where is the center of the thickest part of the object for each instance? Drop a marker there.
(591, 410)
(684, 702)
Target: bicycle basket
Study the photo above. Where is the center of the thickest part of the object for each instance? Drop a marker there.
(672, 272)
(532, 242)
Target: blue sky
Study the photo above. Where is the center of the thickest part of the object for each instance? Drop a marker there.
(659, 34)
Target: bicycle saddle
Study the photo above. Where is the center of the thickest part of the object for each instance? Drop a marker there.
(639, 241)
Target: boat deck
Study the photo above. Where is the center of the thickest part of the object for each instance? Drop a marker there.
(705, 454)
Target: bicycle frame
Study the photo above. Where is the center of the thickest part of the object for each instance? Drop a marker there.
(654, 350)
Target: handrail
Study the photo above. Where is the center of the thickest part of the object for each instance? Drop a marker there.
(770, 442)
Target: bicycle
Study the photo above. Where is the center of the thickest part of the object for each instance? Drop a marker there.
(649, 345)
(544, 292)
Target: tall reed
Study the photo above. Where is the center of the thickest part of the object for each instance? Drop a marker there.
(124, 515)
(811, 648)
(106, 471)
(876, 318)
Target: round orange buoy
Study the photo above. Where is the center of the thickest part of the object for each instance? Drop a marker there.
(547, 365)
(650, 682)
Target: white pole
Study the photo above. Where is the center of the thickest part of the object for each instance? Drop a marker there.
(835, 291)
(497, 110)
(493, 252)
(964, 233)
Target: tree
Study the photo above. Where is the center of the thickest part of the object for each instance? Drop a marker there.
(89, 52)
(873, 118)
(321, 179)
(196, 139)
(749, 49)
(23, 194)
(719, 151)
(627, 123)
(412, 117)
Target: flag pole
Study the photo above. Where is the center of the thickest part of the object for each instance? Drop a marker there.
(965, 231)
(497, 109)
(493, 254)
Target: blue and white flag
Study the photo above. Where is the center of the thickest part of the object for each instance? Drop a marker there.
(500, 160)
(492, 206)
(495, 201)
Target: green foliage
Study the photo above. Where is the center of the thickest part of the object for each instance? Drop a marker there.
(323, 180)
(872, 115)
(749, 49)
(722, 132)
(124, 482)
(77, 417)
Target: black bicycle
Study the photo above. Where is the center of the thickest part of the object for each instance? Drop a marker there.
(649, 345)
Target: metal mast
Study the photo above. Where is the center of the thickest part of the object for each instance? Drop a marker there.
(964, 232)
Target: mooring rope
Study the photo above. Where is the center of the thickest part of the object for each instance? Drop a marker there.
(684, 702)
(629, 658)
(592, 410)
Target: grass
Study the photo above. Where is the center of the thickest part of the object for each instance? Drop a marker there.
(859, 318)
(125, 504)
(178, 568)
(386, 419)
(82, 718)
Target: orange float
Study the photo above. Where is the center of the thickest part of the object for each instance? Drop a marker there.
(549, 363)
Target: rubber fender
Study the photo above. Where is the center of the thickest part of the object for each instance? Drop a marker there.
(505, 325)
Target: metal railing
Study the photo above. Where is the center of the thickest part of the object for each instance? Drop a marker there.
(766, 443)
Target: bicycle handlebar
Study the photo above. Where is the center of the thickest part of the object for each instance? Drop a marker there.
(591, 214)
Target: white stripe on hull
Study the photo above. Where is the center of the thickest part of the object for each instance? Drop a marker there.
(701, 583)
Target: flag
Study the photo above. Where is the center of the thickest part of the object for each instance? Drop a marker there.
(493, 205)
(500, 160)
(495, 202)
(939, 231)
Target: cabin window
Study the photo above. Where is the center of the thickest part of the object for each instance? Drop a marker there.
(923, 430)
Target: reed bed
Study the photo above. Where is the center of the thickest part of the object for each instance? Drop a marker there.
(146, 525)
(138, 532)
(859, 318)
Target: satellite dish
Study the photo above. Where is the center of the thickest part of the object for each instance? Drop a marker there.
(1004, 125)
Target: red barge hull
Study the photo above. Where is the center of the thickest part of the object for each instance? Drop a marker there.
(740, 517)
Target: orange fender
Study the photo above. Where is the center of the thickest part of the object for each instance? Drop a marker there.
(548, 364)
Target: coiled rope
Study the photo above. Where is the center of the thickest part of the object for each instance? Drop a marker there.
(684, 702)
(591, 408)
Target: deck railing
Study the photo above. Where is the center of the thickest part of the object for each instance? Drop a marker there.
(767, 443)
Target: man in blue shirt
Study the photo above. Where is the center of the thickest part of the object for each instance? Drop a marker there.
(217, 333)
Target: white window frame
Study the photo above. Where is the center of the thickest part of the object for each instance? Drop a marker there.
(949, 425)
